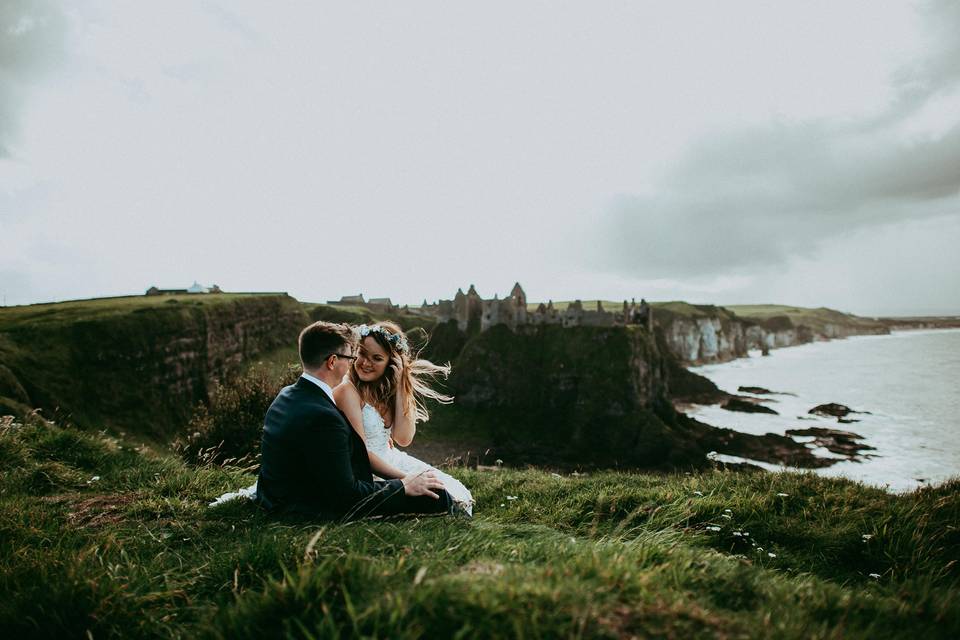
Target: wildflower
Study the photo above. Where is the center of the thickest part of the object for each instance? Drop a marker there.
(728, 511)
(746, 534)
(502, 504)
(759, 549)
(93, 479)
(866, 536)
(713, 527)
(698, 493)
(737, 534)
(498, 462)
(726, 515)
(782, 495)
(875, 576)
(772, 555)
(511, 497)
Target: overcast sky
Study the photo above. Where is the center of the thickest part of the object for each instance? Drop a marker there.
(770, 152)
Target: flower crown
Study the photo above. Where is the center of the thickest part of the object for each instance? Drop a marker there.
(395, 339)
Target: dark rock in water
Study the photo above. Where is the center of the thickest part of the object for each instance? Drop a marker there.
(832, 409)
(771, 448)
(763, 391)
(756, 390)
(736, 404)
(847, 420)
(834, 440)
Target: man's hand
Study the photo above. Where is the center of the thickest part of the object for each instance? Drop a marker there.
(421, 483)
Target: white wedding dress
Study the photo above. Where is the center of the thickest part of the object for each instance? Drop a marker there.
(378, 441)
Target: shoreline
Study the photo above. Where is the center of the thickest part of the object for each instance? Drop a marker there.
(903, 447)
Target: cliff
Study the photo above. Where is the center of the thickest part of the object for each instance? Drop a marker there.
(698, 334)
(136, 363)
(586, 397)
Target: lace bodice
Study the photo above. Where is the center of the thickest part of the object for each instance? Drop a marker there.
(373, 430)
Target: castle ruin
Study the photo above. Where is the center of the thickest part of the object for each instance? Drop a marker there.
(472, 312)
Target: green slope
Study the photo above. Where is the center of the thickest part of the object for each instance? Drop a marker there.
(101, 540)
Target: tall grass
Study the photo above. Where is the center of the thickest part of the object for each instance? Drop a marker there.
(98, 539)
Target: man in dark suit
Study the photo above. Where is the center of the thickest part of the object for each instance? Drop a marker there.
(313, 462)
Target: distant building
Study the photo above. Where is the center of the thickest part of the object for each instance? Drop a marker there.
(194, 288)
(379, 305)
(470, 310)
(382, 305)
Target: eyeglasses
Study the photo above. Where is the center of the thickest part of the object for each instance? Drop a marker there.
(342, 355)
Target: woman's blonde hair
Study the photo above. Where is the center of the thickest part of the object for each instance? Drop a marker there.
(417, 373)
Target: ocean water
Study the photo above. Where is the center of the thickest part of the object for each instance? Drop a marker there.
(909, 381)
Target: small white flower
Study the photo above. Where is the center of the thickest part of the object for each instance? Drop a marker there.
(511, 497)
(782, 495)
(713, 528)
(875, 576)
(726, 515)
(728, 511)
(866, 536)
(746, 534)
(93, 479)
(502, 504)
(737, 534)
(759, 549)
(698, 493)
(772, 555)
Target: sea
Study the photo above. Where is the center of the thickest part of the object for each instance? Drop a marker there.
(908, 381)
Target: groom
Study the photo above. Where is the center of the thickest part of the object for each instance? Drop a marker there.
(313, 462)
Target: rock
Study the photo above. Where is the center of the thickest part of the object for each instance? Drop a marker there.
(771, 448)
(756, 390)
(834, 440)
(832, 409)
(763, 391)
(736, 404)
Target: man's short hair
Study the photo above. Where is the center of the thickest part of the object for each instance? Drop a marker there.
(318, 340)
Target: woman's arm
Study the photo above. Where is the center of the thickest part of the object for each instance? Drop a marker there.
(404, 426)
(348, 400)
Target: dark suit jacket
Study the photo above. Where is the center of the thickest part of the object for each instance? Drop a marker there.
(313, 461)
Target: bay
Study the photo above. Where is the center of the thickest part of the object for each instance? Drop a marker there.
(908, 381)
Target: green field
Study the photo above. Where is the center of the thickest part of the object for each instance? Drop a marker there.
(35, 315)
(98, 539)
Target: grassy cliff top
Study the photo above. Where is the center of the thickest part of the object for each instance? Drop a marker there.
(101, 540)
(96, 308)
(677, 307)
(814, 318)
(802, 315)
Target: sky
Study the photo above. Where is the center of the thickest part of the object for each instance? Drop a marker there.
(803, 153)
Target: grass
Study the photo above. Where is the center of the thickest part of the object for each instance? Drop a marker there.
(816, 319)
(101, 540)
(63, 313)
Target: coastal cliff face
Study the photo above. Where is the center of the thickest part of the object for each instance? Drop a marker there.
(144, 368)
(582, 396)
(703, 334)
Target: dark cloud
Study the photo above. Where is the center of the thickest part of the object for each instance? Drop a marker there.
(758, 196)
(32, 34)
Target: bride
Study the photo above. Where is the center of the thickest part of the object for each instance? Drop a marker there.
(383, 399)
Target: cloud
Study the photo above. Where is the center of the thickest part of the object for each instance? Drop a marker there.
(758, 196)
(32, 36)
